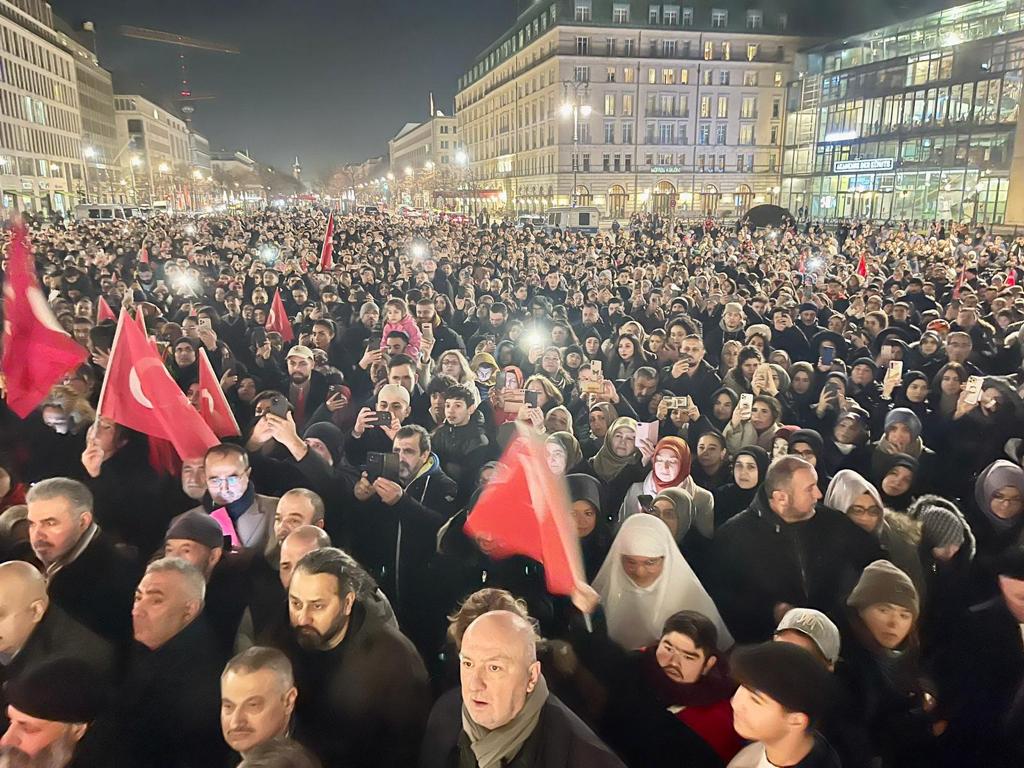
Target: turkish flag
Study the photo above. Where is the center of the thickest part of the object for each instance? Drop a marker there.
(104, 312)
(37, 351)
(213, 406)
(1011, 277)
(277, 318)
(140, 394)
(327, 252)
(525, 511)
(144, 255)
(862, 266)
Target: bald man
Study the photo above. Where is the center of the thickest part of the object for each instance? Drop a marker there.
(33, 630)
(503, 688)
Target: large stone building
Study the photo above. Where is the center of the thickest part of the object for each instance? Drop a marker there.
(917, 120)
(630, 106)
(422, 158)
(40, 125)
(101, 178)
(158, 159)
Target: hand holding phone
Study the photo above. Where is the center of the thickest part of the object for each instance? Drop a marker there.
(745, 405)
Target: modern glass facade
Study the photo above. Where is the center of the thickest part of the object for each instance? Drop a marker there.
(917, 120)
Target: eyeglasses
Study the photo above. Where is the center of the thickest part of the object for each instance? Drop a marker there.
(233, 481)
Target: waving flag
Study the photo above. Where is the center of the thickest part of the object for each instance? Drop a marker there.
(327, 251)
(213, 406)
(277, 318)
(862, 266)
(103, 311)
(525, 511)
(37, 351)
(140, 394)
(1011, 277)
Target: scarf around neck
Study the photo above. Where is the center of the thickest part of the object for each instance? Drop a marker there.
(495, 748)
(712, 688)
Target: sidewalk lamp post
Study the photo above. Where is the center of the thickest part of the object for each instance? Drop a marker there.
(136, 162)
(573, 106)
(88, 153)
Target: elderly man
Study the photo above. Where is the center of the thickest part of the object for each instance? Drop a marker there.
(51, 708)
(85, 574)
(370, 432)
(33, 630)
(170, 697)
(784, 551)
(365, 694)
(296, 508)
(505, 714)
(257, 698)
(229, 486)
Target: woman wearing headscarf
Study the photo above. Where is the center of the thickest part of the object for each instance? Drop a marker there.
(799, 400)
(903, 435)
(485, 371)
(618, 463)
(997, 516)
(644, 580)
(675, 508)
(184, 362)
(600, 417)
(670, 468)
(748, 470)
(860, 501)
(723, 403)
(563, 453)
(585, 493)
(895, 477)
(912, 394)
(558, 419)
(510, 378)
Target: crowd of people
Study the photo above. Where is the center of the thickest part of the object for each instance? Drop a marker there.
(793, 457)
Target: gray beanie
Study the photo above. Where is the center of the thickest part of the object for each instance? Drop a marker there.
(883, 582)
(940, 528)
(904, 416)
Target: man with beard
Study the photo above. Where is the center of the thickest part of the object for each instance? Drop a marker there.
(257, 698)
(307, 388)
(365, 694)
(639, 390)
(395, 529)
(51, 708)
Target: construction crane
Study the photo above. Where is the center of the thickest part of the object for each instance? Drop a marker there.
(185, 98)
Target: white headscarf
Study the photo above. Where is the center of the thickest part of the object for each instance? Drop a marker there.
(844, 489)
(636, 614)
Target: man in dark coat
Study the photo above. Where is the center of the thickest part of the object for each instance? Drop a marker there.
(983, 675)
(170, 699)
(394, 532)
(34, 630)
(363, 690)
(505, 714)
(784, 551)
(691, 375)
(87, 577)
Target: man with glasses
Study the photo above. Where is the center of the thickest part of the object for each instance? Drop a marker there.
(229, 486)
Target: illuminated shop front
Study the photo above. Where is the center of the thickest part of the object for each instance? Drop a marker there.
(913, 121)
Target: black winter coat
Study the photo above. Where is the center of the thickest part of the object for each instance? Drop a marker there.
(761, 561)
(560, 740)
(170, 702)
(363, 704)
(97, 589)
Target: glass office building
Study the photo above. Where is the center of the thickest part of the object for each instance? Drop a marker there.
(917, 120)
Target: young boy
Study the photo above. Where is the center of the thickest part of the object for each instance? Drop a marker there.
(783, 693)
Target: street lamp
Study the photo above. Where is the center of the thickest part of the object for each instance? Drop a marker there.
(576, 109)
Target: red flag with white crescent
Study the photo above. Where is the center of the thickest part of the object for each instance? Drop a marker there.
(525, 510)
(213, 405)
(37, 351)
(103, 311)
(140, 394)
(277, 318)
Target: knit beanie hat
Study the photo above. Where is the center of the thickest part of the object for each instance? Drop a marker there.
(940, 527)
(883, 582)
(907, 417)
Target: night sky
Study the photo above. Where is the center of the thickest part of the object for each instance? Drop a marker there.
(329, 80)
(332, 80)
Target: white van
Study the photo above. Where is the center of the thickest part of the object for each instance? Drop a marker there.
(584, 219)
(102, 212)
